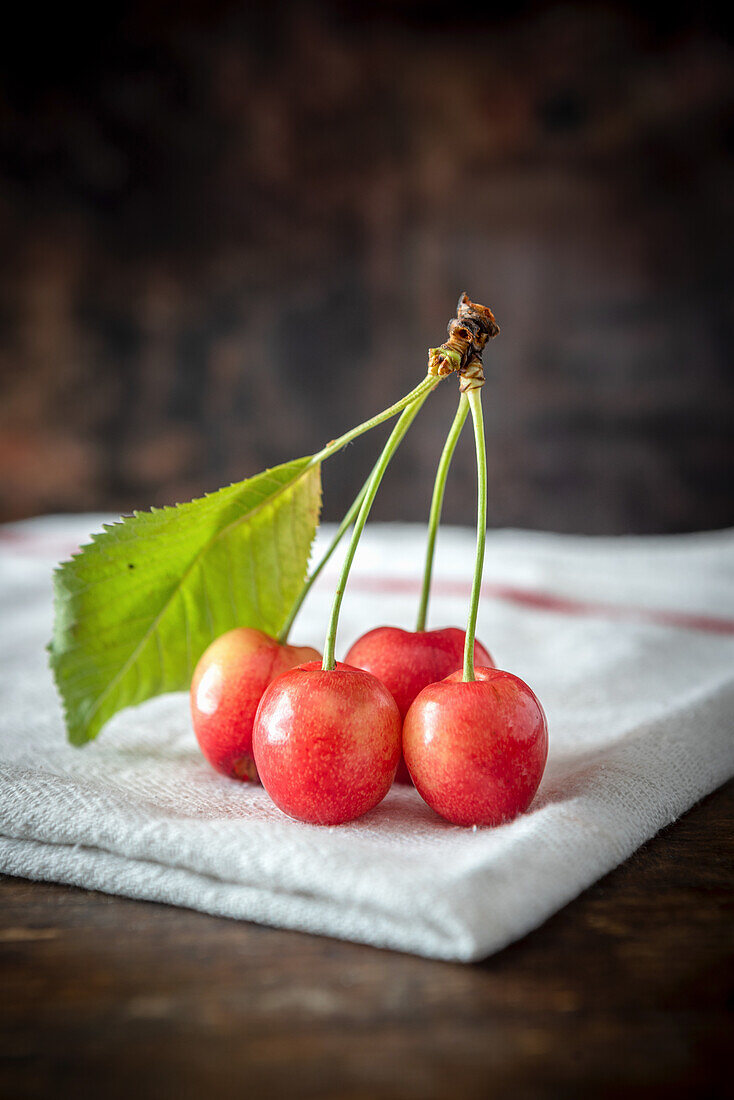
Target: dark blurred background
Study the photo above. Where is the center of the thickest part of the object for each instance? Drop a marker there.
(229, 232)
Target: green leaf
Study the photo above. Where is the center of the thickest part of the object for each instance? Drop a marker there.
(136, 608)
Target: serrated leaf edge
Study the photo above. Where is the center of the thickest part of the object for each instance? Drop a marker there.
(109, 527)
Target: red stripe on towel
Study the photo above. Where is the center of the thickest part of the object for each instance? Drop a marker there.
(546, 601)
(524, 597)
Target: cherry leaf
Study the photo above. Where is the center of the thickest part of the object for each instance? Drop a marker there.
(136, 607)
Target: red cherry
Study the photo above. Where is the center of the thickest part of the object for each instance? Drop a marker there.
(326, 744)
(228, 682)
(406, 662)
(476, 751)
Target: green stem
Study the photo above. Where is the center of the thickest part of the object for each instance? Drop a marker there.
(339, 534)
(373, 485)
(434, 518)
(422, 389)
(475, 402)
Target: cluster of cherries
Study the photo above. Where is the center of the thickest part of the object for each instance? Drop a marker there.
(327, 739)
(327, 745)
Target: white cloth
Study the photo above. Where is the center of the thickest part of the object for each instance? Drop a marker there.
(640, 718)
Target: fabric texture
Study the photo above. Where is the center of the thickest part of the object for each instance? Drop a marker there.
(629, 644)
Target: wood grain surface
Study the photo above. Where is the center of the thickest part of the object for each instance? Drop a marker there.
(623, 993)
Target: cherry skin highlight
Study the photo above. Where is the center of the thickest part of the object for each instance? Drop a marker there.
(326, 744)
(408, 661)
(227, 685)
(476, 751)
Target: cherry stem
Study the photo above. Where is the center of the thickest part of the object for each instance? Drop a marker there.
(373, 484)
(423, 388)
(475, 402)
(331, 448)
(434, 518)
(308, 583)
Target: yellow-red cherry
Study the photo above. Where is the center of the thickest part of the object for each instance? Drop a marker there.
(407, 661)
(227, 685)
(326, 744)
(476, 750)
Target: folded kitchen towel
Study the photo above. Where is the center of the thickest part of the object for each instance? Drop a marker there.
(628, 642)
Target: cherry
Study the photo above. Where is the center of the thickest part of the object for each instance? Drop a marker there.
(326, 744)
(406, 662)
(228, 681)
(476, 750)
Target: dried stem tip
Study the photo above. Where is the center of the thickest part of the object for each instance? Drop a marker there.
(471, 377)
(468, 333)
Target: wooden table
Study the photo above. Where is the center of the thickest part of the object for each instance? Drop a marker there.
(623, 993)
